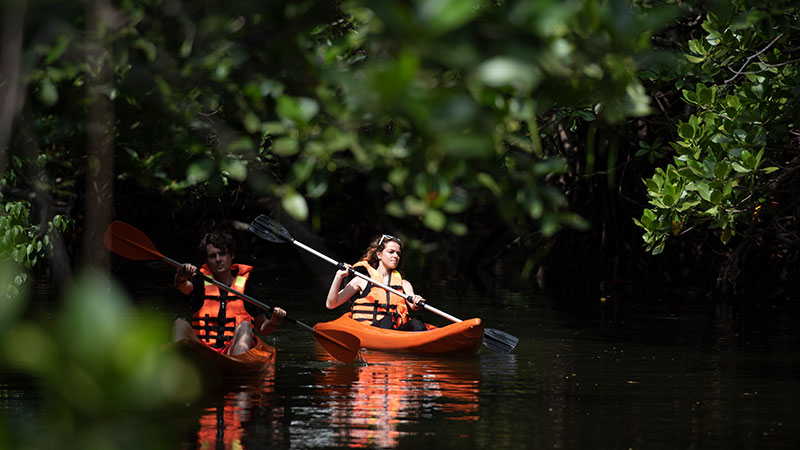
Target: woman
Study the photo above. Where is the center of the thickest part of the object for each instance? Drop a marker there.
(372, 304)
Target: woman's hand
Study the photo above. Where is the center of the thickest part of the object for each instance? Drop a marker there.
(341, 273)
(416, 302)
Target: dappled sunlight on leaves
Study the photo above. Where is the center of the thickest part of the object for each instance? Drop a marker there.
(741, 114)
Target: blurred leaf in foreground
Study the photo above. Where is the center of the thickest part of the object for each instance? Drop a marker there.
(105, 380)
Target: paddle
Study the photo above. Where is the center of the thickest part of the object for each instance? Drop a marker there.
(127, 241)
(266, 228)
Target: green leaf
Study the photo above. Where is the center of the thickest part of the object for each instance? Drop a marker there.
(758, 90)
(298, 110)
(705, 95)
(696, 168)
(648, 220)
(713, 38)
(695, 59)
(739, 168)
(316, 186)
(455, 204)
(748, 159)
(716, 197)
(690, 96)
(434, 219)
(688, 205)
(395, 208)
(414, 206)
(704, 191)
(457, 229)
(686, 131)
(728, 187)
(286, 146)
(722, 169)
(295, 205)
(235, 169)
(719, 138)
(273, 128)
(58, 49)
(443, 15)
(504, 71)
(488, 182)
(48, 93)
(696, 47)
(199, 171)
(251, 122)
(302, 170)
(147, 47)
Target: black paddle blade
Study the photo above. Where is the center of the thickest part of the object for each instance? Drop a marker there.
(499, 341)
(270, 230)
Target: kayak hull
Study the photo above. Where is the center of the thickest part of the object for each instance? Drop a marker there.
(457, 338)
(216, 365)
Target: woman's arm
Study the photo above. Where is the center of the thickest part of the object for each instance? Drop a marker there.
(416, 299)
(335, 296)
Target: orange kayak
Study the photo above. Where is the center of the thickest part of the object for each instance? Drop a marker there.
(217, 364)
(457, 338)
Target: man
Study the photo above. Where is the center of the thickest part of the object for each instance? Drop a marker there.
(220, 319)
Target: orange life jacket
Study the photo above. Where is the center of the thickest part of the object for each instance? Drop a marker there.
(215, 321)
(375, 302)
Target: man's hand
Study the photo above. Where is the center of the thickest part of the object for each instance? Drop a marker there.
(277, 316)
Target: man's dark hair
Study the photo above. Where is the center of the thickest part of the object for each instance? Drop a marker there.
(221, 240)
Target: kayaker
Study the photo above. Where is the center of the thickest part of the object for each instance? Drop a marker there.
(370, 303)
(220, 320)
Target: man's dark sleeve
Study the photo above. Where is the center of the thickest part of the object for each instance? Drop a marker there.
(252, 309)
(197, 294)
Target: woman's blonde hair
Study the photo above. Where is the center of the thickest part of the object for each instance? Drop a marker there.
(377, 244)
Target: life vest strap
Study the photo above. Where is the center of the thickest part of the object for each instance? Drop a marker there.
(375, 308)
(215, 325)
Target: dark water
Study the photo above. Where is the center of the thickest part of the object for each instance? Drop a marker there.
(613, 377)
(612, 374)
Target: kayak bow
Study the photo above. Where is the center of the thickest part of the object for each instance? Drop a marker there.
(217, 365)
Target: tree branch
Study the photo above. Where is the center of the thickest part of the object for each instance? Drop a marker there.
(10, 55)
(752, 57)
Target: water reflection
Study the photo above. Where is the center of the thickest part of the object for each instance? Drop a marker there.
(370, 403)
(223, 424)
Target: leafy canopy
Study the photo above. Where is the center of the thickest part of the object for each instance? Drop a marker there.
(740, 80)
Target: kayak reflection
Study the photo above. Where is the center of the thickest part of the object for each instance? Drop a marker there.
(370, 402)
(223, 425)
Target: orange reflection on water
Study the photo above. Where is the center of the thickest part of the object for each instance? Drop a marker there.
(222, 425)
(370, 402)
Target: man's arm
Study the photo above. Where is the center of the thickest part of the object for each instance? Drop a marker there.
(267, 326)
